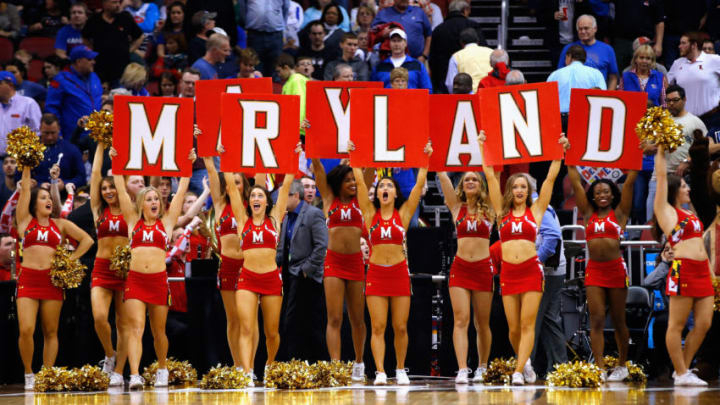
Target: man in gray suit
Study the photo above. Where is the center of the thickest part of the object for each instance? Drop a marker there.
(301, 255)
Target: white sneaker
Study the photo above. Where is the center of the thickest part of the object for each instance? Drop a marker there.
(479, 375)
(380, 378)
(518, 379)
(401, 377)
(690, 379)
(116, 380)
(108, 365)
(252, 374)
(462, 376)
(528, 373)
(29, 382)
(358, 372)
(603, 376)
(619, 374)
(136, 382)
(161, 377)
(252, 378)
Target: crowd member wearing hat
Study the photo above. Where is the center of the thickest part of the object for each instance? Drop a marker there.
(202, 23)
(15, 110)
(75, 92)
(415, 23)
(418, 77)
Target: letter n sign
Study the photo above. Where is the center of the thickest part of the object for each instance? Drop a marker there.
(260, 133)
(152, 136)
(601, 128)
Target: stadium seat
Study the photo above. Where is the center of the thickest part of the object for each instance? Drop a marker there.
(35, 72)
(7, 49)
(40, 47)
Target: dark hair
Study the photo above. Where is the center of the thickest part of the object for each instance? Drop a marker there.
(590, 193)
(168, 26)
(49, 119)
(191, 70)
(246, 187)
(303, 57)
(314, 23)
(56, 60)
(673, 184)
(179, 38)
(285, 59)
(33, 199)
(676, 89)
(167, 75)
(469, 36)
(695, 37)
(399, 199)
(336, 176)
(103, 203)
(18, 64)
(4, 235)
(346, 36)
(577, 52)
(269, 199)
(327, 7)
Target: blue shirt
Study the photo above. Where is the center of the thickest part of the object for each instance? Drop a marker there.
(71, 96)
(68, 38)
(599, 55)
(415, 24)
(418, 77)
(207, 71)
(292, 219)
(72, 169)
(312, 14)
(266, 15)
(575, 76)
(32, 90)
(653, 88)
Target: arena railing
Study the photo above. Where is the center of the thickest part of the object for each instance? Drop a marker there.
(503, 29)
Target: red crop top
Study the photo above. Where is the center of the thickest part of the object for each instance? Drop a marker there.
(606, 227)
(110, 225)
(341, 214)
(259, 237)
(387, 232)
(688, 227)
(149, 235)
(227, 224)
(470, 226)
(518, 228)
(38, 235)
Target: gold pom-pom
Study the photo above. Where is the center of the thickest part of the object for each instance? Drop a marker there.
(221, 378)
(179, 372)
(297, 374)
(500, 371)
(100, 125)
(658, 127)
(24, 145)
(637, 374)
(120, 261)
(90, 378)
(716, 286)
(54, 379)
(575, 374)
(65, 272)
(332, 373)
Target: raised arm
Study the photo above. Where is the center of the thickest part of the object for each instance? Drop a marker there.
(664, 212)
(197, 205)
(84, 240)
(126, 204)
(214, 180)
(367, 208)
(492, 181)
(410, 205)
(580, 198)
(448, 192)
(622, 212)
(322, 185)
(236, 201)
(22, 212)
(278, 211)
(173, 213)
(96, 180)
(545, 194)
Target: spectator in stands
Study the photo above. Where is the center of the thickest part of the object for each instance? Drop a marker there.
(203, 23)
(226, 18)
(294, 82)
(168, 85)
(293, 25)
(51, 67)
(301, 255)
(248, 60)
(265, 24)
(399, 78)
(318, 51)
(638, 18)
(708, 46)
(187, 82)
(515, 77)
(72, 169)
(134, 79)
(146, 14)
(365, 16)
(218, 49)
(305, 66)
(499, 61)
(7, 256)
(462, 84)
(173, 25)
(557, 17)
(698, 73)
(309, 191)
(7, 186)
(418, 77)
(175, 57)
(45, 20)
(25, 87)
(15, 110)
(575, 75)
(70, 35)
(349, 46)
(686, 16)
(637, 43)
(9, 20)
(317, 8)
(415, 24)
(364, 51)
(333, 34)
(599, 54)
(114, 35)
(473, 59)
(343, 73)
(75, 92)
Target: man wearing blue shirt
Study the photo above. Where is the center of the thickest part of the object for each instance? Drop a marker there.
(72, 169)
(218, 48)
(575, 76)
(599, 54)
(418, 77)
(415, 23)
(76, 92)
(70, 35)
(265, 23)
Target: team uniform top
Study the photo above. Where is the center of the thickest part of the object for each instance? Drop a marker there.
(227, 224)
(149, 235)
(259, 237)
(387, 232)
(523, 227)
(470, 226)
(38, 235)
(606, 227)
(109, 225)
(688, 227)
(341, 214)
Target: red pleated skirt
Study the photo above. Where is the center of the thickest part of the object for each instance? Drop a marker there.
(228, 273)
(269, 283)
(476, 276)
(103, 277)
(517, 278)
(388, 281)
(36, 284)
(344, 266)
(150, 288)
(693, 279)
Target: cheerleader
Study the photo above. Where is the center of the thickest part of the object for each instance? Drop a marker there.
(41, 235)
(387, 284)
(606, 211)
(689, 282)
(344, 275)
(471, 274)
(260, 279)
(521, 276)
(146, 287)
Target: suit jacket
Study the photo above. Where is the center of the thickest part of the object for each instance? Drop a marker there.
(308, 243)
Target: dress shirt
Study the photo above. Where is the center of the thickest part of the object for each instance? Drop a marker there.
(19, 111)
(575, 76)
(701, 81)
(267, 15)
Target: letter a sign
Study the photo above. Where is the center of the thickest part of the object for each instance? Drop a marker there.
(260, 133)
(454, 126)
(152, 136)
(601, 128)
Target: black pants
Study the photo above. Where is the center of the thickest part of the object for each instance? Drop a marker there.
(303, 324)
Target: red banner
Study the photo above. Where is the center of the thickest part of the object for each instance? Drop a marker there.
(328, 111)
(207, 106)
(522, 123)
(454, 125)
(152, 135)
(601, 128)
(389, 127)
(262, 132)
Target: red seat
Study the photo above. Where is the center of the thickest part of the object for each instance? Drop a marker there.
(40, 47)
(7, 49)
(35, 73)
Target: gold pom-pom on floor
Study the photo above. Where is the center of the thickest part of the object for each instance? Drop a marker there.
(90, 378)
(54, 379)
(24, 145)
(297, 374)
(120, 261)
(224, 377)
(65, 272)
(658, 127)
(637, 374)
(716, 286)
(575, 374)
(179, 372)
(500, 371)
(100, 125)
